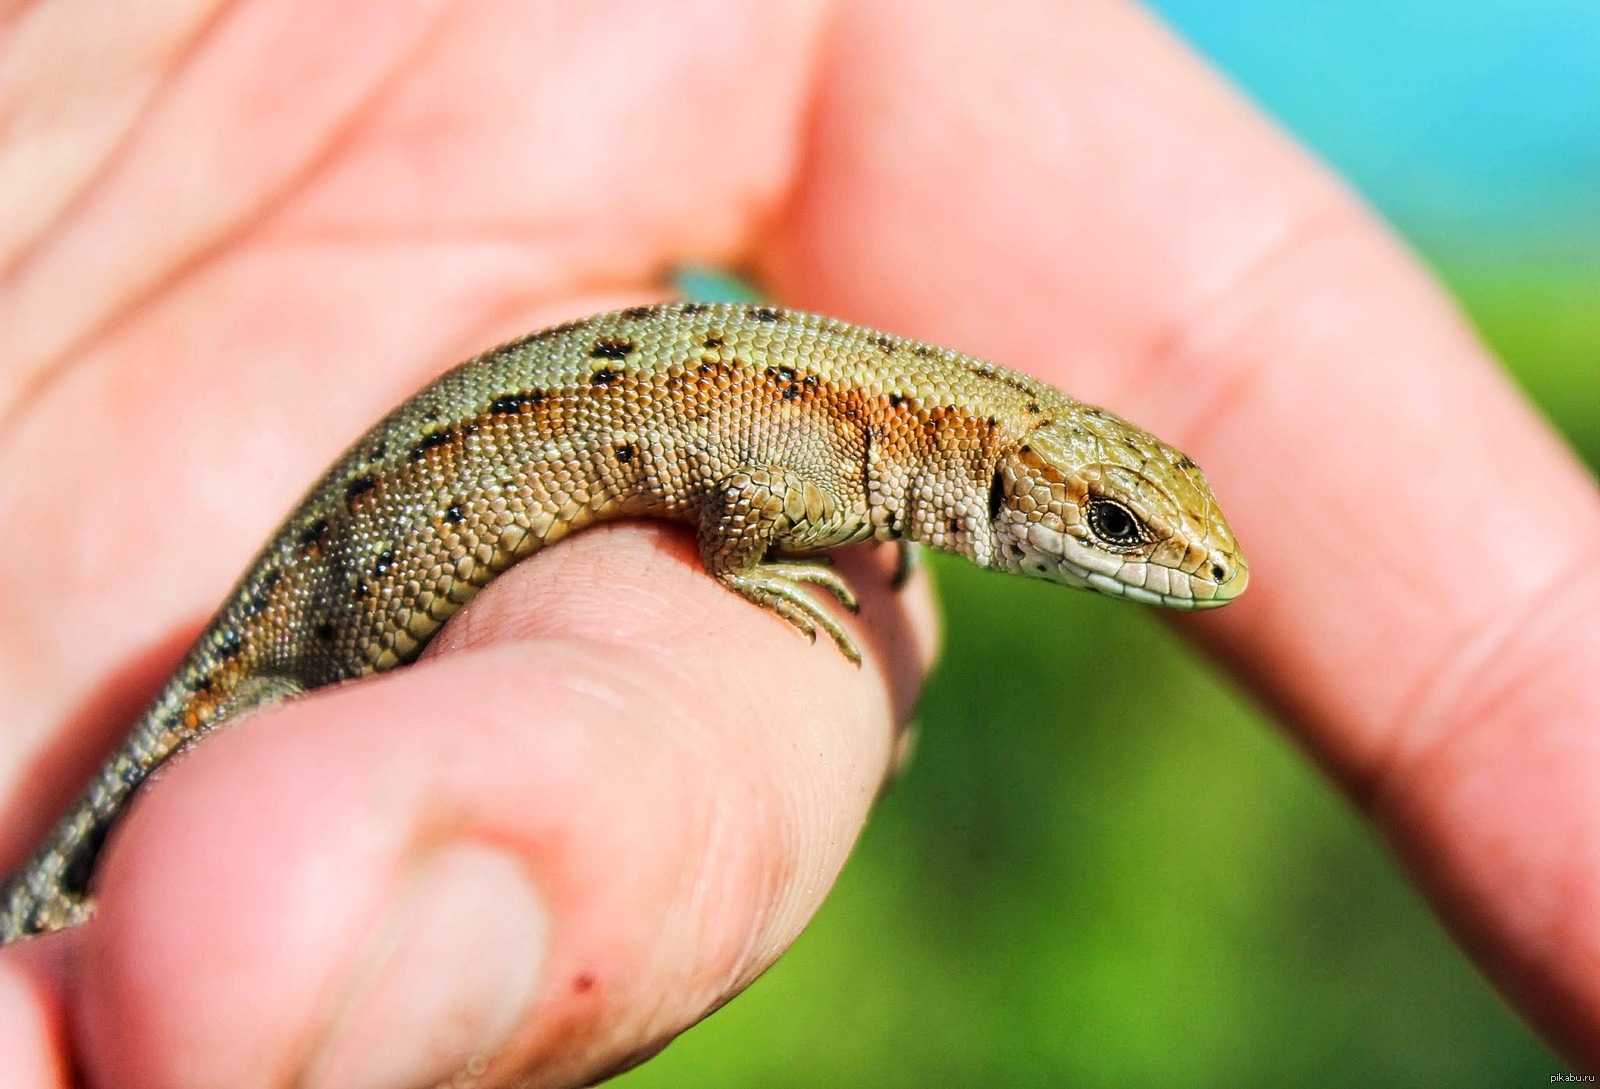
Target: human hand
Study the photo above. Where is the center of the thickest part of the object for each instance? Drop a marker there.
(394, 189)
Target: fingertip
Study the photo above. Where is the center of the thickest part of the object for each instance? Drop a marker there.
(624, 798)
(443, 977)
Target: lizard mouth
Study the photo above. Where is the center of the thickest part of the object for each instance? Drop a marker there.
(1222, 594)
(1134, 579)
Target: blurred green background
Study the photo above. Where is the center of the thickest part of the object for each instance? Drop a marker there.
(1118, 873)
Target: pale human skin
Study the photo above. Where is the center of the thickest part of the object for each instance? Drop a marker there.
(257, 227)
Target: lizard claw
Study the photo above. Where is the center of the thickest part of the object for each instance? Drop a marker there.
(780, 586)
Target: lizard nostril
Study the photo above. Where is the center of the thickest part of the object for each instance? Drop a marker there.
(1218, 573)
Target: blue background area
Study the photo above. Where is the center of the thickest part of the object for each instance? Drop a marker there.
(1465, 116)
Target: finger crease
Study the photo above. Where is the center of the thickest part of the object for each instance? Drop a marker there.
(1421, 729)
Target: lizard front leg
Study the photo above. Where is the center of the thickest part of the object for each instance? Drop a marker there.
(753, 528)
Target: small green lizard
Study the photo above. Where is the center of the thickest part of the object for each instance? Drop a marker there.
(778, 435)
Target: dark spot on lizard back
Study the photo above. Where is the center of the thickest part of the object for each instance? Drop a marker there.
(314, 533)
(453, 515)
(714, 341)
(80, 864)
(766, 313)
(994, 374)
(428, 442)
(384, 562)
(513, 403)
(885, 343)
(634, 313)
(605, 376)
(790, 393)
(896, 400)
(1185, 462)
(693, 308)
(921, 350)
(358, 487)
(325, 631)
(611, 348)
(228, 642)
(256, 599)
(625, 453)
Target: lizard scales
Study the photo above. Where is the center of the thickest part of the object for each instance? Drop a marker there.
(777, 434)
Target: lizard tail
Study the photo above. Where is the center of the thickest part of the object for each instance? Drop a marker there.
(48, 891)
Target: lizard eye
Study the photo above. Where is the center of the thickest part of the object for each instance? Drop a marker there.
(1114, 524)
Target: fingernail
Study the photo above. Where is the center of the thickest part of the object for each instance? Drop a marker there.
(445, 977)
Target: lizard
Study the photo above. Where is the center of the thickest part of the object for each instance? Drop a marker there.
(777, 435)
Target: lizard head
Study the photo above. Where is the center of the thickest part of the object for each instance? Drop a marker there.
(1092, 501)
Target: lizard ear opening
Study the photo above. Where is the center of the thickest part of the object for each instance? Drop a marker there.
(997, 494)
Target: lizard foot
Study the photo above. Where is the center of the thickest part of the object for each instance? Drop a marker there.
(780, 587)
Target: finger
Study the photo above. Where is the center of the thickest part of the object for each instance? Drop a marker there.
(35, 1051)
(1422, 600)
(605, 804)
